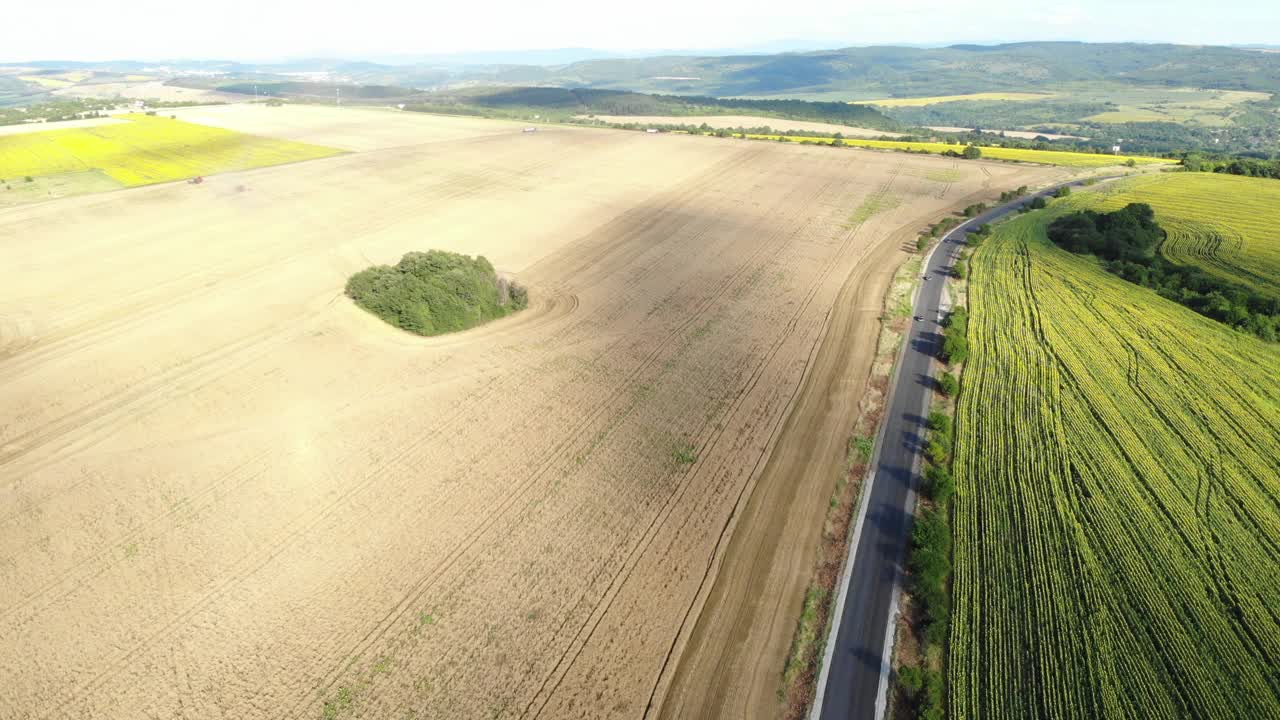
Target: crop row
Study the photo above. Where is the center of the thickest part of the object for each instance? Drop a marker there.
(1117, 509)
(1224, 223)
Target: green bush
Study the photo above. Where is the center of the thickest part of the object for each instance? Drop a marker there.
(940, 422)
(1008, 195)
(935, 451)
(931, 556)
(955, 343)
(933, 698)
(955, 348)
(910, 679)
(435, 292)
(979, 234)
(930, 566)
(948, 384)
(923, 692)
(939, 484)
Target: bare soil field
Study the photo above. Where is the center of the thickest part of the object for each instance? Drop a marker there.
(148, 90)
(60, 125)
(53, 187)
(344, 128)
(747, 121)
(227, 492)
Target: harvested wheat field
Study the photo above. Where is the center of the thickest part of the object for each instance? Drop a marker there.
(59, 125)
(344, 128)
(227, 492)
(147, 90)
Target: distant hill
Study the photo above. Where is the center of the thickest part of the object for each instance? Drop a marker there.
(878, 72)
(1146, 97)
(851, 73)
(319, 90)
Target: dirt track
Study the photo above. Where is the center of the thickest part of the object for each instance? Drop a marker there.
(229, 493)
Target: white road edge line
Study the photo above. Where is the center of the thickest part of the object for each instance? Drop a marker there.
(895, 599)
(837, 610)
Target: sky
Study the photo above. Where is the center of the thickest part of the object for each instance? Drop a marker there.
(258, 30)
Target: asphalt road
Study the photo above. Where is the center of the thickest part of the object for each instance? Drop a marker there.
(859, 658)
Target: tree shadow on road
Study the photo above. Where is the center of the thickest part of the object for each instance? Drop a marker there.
(927, 343)
(914, 441)
(912, 418)
(871, 658)
(893, 523)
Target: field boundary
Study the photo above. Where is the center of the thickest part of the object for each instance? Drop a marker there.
(910, 499)
(837, 609)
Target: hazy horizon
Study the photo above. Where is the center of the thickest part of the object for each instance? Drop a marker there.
(381, 29)
(587, 53)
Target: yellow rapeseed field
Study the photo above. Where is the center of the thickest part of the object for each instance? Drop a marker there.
(1223, 223)
(1048, 157)
(146, 150)
(1116, 486)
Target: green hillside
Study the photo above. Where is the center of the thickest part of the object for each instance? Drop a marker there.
(1225, 224)
(318, 90)
(1153, 97)
(877, 72)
